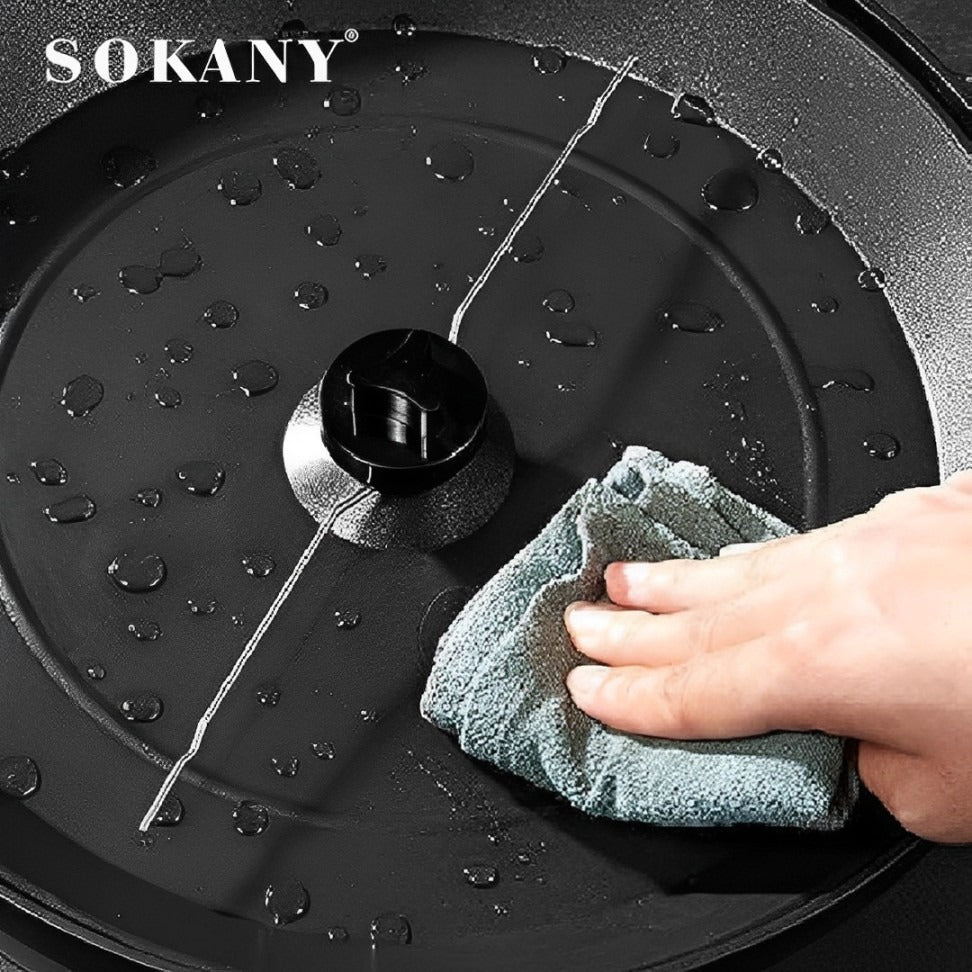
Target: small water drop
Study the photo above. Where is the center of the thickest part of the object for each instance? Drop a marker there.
(847, 378)
(825, 305)
(881, 445)
(138, 279)
(85, 292)
(268, 696)
(297, 167)
(240, 187)
(287, 901)
(145, 630)
(250, 819)
(501, 909)
(661, 145)
(95, 671)
(324, 230)
(370, 265)
(310, 295)
(693, 109)
(810, 222)
(322, 750)
(148, 496)
(336, 933)
(144, 841)
(258, 563)
(691, 317)
(368, 715)
(410, 70)
(220, 314)
(74, 509)
(13, 478)
(450, 161)
(19, 777)
(209, 107)
(770, 159)
(872, 279)
(170, 813)
(481, 875)
(347, 619)
(126, 166)
(390, 929)
(255, 378)
(565, 387)
(526, 248)
(731, 190)
(180, 261)
(285, 766)
(202, 607)
(549, 60)
(572, 334)
(404, 26)
(142, 708)
(559, 301)
(82, 395)
(201, 477)
(178, 351)
(168, 397)
(344, 101)
(137, 573)
(49, 472)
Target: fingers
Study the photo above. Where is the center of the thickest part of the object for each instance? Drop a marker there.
(743, 691)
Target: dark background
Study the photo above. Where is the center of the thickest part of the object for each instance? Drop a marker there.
(917, 916)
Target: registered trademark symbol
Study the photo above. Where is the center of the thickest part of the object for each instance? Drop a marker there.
(351, 35)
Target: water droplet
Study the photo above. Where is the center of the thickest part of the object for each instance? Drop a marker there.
(258, 563)
(220, 314)
(209, 106)
(524, 362)
(240, 187)
(144, 841)
(287, 901)
(572, 334)
(250, 819)
(501, 910)
(84, 292)
(526, 248)
(337, 934)
(661, 146)
(450, 161)
(404, 26)
(138, 279)
(126, 166)
(178, 351)
(324, 230)
(323, 750)
(524, 857)
(13, 478)
(487, 231)
(390, 929)
(49, 472)
(566, 387)
(285, 766)
(849, 379)
(170, 813)
(137, 573)
(559, 301)
(692, 109)
(237, 620)
(347, 619)
(310, 295)
(168, 397)
(149, 496)
(410, 71)
(481, 875)
(368, 715)
(202, 607)
(691, 317)
(550, 60)
(82, 395)
(810, 222)
(731, 190)
(95, 672)
(201, 477)
(770, 159)
(825, 305)
(19, 777)
(880, 445)
(370, 265)
(297, 167)
(872, 279)
(180, 261)
(255, 378)
(142, 708)
(269, 696)
(344, 101)
(74, 509)
(144, 630)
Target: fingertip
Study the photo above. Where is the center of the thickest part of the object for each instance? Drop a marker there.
(585, 681)
(623, 578)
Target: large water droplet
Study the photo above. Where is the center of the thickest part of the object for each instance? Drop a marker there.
(74, 509)
(559, 301)
(19, 777)
(180, 261)
(661, 145)
(138, 279)
(691, 317)
(297, 167)
(82, 395)
(481, 875)
(170, 813)
(390, 929)
(693, 109)
(285, 766)
(168, 397)
(287, 901)
(49, 472)
(145, 630)
(550, 60)
(310, 295)
(126, 166)
(95, 671)
(572, 334)
(450, 160)
(881, 445)
(324, 230)
(849, 379)
(137, 572)
(240, 187)
(201, 477)
(142, 708)
(258, 563)
(220, 314)
(404, 26)
(255, 378)
(812, 221)
(770, 159)
(370, 265)
(250, 819)
(344, 101)
(178, 351)
(322, 750)
(731, 190)
(872, 279)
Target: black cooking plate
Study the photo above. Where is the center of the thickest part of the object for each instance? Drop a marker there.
(734, 327)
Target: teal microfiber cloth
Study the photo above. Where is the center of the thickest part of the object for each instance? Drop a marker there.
(497, 681)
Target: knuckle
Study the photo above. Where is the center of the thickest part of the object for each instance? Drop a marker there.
(675, 695)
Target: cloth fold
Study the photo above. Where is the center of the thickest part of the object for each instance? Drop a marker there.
(497, 681)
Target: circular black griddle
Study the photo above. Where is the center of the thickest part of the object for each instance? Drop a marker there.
(813, 413)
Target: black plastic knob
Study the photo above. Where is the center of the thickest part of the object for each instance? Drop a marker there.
(403, 410)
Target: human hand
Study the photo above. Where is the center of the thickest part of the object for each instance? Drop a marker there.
(860, 629)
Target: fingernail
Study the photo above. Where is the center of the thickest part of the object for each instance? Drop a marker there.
(585, 680)
(582, 617)
(633, 572)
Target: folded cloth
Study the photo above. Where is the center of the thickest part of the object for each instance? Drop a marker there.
(497, 681)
